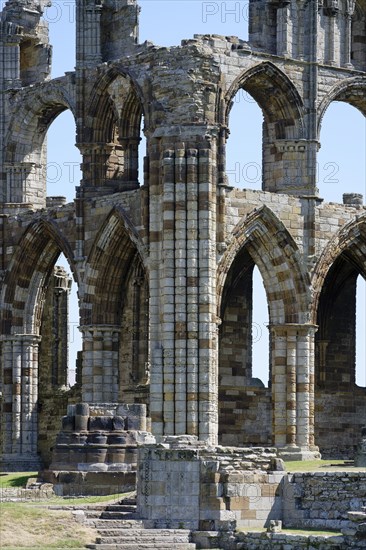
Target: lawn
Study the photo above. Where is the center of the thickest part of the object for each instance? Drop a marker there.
(32, 524)
(320, 466)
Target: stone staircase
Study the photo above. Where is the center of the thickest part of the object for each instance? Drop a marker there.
(119, 529)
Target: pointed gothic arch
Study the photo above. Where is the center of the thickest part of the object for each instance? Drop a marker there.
(110, 141)
(334, 309)
(282, 109)
(349, 90)
(37, 110)
(278, 259)
(115, 250)
(26, 280)
(349, 242)
(25, 152)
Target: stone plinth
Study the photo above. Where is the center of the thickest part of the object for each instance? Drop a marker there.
(184, 484)
(96, 450)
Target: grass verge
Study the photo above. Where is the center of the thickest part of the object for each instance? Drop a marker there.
(15, 479)
(24, 525)
(31, 524)
(318, 465)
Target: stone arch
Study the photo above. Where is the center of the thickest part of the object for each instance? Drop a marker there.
(105, 111)
(283, 109)
(350, 242)
(34, 114)
(334, 309)
(350, 90)
(284, 145)
(26, 280)
(116, 248)
(110, 140)
(278, 259)
(25, 152)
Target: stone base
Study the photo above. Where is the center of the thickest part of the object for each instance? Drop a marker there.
(90, 483)
(184, 483)
(290, 453)
(20, 463)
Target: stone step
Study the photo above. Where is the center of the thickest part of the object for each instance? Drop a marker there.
(143, 536)
(128, 501)
(120, 508)
(116, 515)
(105, 514)
(117, 524)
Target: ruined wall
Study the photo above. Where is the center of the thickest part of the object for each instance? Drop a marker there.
(321, 500)
(159, 257)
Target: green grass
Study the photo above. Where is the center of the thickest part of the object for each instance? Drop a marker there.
(33, 524)
(16, 479)
(27, 526)
(317, 465)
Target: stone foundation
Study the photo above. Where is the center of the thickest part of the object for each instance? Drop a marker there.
(183, 483)
(96, 450)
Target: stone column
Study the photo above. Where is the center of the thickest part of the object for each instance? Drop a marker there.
(331, 10)
(19, 179)
(100, 380)
(88, 37)
(350, 8)
(130, 157)
(20, 400)
(95, 163)
(284, 30)
(293, 390)
(183, 292)
(11, 36)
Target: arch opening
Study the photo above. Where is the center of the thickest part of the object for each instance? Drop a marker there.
(283, 128)
(116, 303)
(63, 163)
(244, 158)
(345, 174)
(340, 410)
(110, 145)
(243, 396)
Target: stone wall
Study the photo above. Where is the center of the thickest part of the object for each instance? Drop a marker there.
(165, 301)
(321, 500)
(182, 483)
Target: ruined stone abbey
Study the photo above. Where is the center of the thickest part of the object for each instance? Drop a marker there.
(163, 260)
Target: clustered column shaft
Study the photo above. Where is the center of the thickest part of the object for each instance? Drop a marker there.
(293, 385)
(185, 370)
(100, 363)
(20, 387)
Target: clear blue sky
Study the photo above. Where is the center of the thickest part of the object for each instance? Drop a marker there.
(341, 161)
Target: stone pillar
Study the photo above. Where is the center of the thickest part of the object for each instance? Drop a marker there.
(20, 401)
(95, 163)
(88, 35)
(284, 30)
(350, 8)
(100, 380)
(331, 10)
(11, 36)
(293, 390)
(183, 292)
(54, 360)
(22, 178)
(295, 163)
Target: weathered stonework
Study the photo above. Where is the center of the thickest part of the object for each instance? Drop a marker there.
(163, 260)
